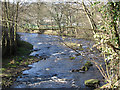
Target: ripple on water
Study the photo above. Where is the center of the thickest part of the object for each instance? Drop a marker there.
(54, 72)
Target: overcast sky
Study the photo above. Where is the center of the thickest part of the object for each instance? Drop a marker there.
(58, 0)
(55, 0)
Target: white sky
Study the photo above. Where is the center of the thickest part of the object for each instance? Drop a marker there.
(58, 0)
(54, 0)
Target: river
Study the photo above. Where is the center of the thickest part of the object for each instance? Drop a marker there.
(54, 71)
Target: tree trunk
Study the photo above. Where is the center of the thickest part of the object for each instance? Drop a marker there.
(92, 22)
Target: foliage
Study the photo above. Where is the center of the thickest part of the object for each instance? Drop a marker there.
(23, 48)
(108, 41)
(63, 15)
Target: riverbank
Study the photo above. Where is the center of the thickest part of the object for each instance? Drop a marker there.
(13, 66)
(81, 35)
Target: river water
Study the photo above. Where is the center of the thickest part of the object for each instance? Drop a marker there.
(54, 71)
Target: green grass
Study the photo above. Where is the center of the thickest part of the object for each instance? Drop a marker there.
(23, 48)
(11, 66)
(2, 69)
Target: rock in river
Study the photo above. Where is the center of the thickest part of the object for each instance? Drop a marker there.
(92, 82)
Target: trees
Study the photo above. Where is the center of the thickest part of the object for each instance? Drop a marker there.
(108, 41)
(56, 12)
(65, 15)
(9, 27)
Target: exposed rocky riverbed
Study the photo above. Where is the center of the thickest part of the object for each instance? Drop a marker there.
(54, 70)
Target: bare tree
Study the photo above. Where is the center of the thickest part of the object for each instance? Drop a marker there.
(9, 26)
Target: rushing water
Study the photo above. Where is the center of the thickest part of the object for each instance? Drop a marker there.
(54, 71)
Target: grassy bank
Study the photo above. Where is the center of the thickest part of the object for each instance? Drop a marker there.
(81, 35)
(14, 65)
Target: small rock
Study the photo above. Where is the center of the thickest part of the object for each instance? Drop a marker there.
(36, 55)
(88, 64)
(54, 75)
(36, 49)
(84, 68)
(75, 70)
(63, 54)
(78, 70)
(92, 82)
(72, 58)
(77, 54)
(40, 57)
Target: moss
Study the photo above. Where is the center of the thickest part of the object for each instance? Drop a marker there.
(19, 58)
(84, 68)
(80, 48)
(14, 64)
(72, 58)
(31, 59)
(2, 69)
(17, 62)
(25, 44)
(92, 82)
(13, 70)
(23, 48)
(4, 74)
(88, 64)
(26, 63)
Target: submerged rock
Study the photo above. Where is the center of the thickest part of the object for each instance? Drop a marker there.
(80, 48)
(92, 82)
(48, 47)
(36, 49)
(36, 55)
(72, 58)
(78, 70)
(84, 68)
(88, 64)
